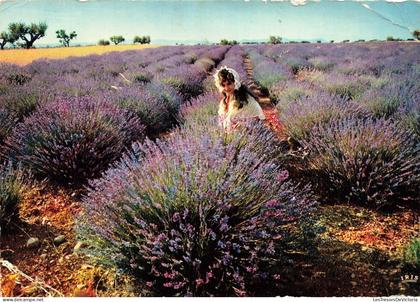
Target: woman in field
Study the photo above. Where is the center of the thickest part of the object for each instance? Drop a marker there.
(237, 103)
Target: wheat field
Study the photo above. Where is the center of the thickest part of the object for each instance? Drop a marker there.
(26, 56)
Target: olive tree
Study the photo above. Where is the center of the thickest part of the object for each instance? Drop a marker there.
(27, 33)
(65, 38)
(117, 39)
(416, 34)
(6, 37)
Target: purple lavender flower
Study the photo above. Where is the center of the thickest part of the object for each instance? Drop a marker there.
(221, 230)
(72, 140)
(367, 161)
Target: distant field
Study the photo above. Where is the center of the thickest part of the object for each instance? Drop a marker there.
(25, 56)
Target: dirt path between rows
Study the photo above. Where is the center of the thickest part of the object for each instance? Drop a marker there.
(270, 111)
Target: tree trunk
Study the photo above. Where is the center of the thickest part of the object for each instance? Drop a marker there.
(29, 44)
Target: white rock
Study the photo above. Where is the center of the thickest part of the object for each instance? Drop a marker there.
(33, 242)
(78, 246)
(59, 239)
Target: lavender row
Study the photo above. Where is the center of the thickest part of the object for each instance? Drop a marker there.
(266, 72)
(234, 58)
(56, 143)
(23, 88)
(367, 58)
(378, 78)
(357, 124)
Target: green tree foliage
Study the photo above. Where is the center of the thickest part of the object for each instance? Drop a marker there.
(391, 38)
(141, 40)
(103, 42)
(5, 38)
(65, 38)
(274, 40)
(117, 39)
(416, 34)
(227, 42)
(137, 39)
(27, 33)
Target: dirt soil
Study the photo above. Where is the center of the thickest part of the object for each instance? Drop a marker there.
(46, 213)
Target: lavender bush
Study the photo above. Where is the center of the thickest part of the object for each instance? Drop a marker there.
(409, 114)
(167, 93)
(208, 85)
(200, 109)
(301, 115)
(13, 75)
(167, 64)
(204, 64)
(78, 86)
(72, 140)
(321, 63)
(385, 101)
(196, 214)
(216, 54)
(155, 104)
(338, 84)
(267, 74)
(186, 80)
(355, 66)
(7, 123)
(297, 63)
(139, 75)
(190, 57)
(365, 161)
(20, 101)
(285, 92)
(12, 185)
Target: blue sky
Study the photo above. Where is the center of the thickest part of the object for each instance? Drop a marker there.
(213, 20)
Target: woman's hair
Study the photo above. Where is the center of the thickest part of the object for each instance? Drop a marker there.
(241, 96)
(225, 75)
(241, 92)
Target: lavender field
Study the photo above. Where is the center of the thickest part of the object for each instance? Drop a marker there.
(116, 179)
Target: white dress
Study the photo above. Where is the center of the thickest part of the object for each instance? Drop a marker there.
(230, 118)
